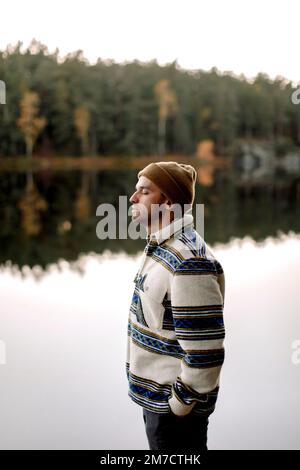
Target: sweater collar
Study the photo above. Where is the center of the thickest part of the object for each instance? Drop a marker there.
(175, 227)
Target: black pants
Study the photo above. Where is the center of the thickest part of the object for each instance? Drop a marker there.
(166, 431)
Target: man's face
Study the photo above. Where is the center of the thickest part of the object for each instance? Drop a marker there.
(146, 194)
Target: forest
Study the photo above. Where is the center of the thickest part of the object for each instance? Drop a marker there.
(67, 106)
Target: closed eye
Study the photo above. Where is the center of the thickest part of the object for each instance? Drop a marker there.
(142, 189)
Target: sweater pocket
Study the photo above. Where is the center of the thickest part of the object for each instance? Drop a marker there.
(153, 309)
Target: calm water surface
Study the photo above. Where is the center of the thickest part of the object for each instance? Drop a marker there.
(63, 334)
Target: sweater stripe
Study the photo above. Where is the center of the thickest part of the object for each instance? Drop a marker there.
(153, 342)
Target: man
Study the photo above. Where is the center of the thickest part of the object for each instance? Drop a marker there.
(175, 347)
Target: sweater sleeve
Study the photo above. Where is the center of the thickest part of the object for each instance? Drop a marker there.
(197, 301)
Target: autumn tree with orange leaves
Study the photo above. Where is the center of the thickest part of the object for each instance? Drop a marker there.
(28, 122)
(82, 121)
(168, 106)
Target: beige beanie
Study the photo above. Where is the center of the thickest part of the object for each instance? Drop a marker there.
(176, 180)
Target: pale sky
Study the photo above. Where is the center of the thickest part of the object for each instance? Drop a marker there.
(241, 36)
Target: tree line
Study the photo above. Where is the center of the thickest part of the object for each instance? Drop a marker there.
(68, 106)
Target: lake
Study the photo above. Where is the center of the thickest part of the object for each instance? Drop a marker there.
(65, 298)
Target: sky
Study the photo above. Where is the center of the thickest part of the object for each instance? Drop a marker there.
(244, 37)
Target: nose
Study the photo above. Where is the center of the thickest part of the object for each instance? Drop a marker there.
(133, 197)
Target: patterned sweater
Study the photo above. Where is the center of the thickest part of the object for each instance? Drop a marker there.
(175, 347)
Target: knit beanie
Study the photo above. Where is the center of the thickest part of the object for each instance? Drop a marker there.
(176, 180)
